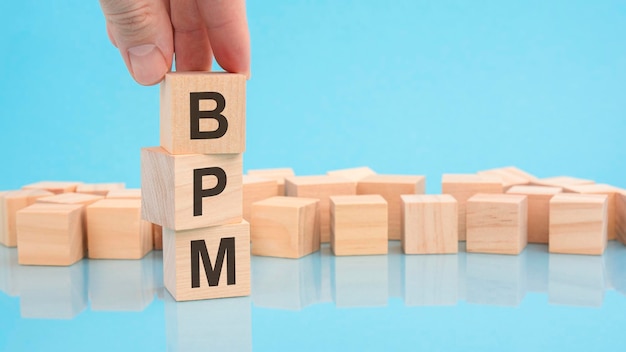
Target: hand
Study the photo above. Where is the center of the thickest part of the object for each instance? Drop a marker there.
(149, 32)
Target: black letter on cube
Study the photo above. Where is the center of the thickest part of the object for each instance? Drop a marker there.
(196, 115)
(199, 193)
(198, 248)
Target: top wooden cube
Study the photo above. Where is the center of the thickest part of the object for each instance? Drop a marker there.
(203, 113)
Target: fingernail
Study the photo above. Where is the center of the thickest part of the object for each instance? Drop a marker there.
(147, 63)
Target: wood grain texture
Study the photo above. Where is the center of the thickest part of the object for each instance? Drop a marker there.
(320, 187)
(279, 175)
(177, 262)
(10, 203)
(115, 230)
(611, 192)
(285, 227)
(578, 223)
(55, 187)
(176, 114)
(168, 191)
(538, 210)
(620, 215)
(429, 224)
(564, 182)
(157, 237)
(100, 189)
(509, 176)
(391, 187)
(128, 193)
(358, 225)
(462, 187)
(50, 234)
(355, 174)
(256, 189)
(497, 223)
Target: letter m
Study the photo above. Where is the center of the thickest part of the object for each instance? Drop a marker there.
(198, 250)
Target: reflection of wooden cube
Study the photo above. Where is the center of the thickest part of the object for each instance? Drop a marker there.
(358, 225)
(115, 230)
(538, 209)
(355, 174)
(55, 187)
(564, 182)
(462, 187)
(50, 234)
(510, 176)
(276, 174)
(611, 192)
(256, 189)
(497, 223)
(100, 189)
(10, 203)
(578, 223)
(429, 224)
(620, 215)
(285, 227)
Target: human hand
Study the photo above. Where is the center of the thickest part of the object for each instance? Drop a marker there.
(149, 32)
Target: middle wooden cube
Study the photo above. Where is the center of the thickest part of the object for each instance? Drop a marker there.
(358, 225)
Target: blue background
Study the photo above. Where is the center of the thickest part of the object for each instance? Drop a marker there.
(408, 87)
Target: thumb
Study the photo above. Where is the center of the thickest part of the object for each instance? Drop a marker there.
(142, 31)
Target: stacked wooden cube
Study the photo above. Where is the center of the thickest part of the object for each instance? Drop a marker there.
(192, 186)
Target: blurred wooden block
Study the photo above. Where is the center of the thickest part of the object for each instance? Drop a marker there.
(462, 187)
(564, 182)
(203, 113)
(578, 223)
(10, 203)
(538, 209)
(277, 174)
(509, 176)
(115, 230)
(320, 187)
(497, 223)
(157, 237)
(355, 174)
(127, 193)
(611, 192)
(391, 187)
(99, 189)
(285, 227)
(210, 262)
(55, 187)
(171, 198)
(358, 225)
(620, 215)
(429, 224)
(50, 234)
(256, 189)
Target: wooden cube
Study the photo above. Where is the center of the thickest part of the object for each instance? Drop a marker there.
(99, 189)
(462, 187)
(391, 187)
(429, 224)
(203, 113)
(564, 182)
(277, 174)
(210, 262)
(538, 209)
(256, 189)
(320, 187)
(497, 223)
(115, 230)
(611, 192)
(355, 174)
(50, 234)
(578, 223)
(10, 203)
(285, 227)
(127, 193)
(55, 187)
(620, 215)
(190, 191)
(358, 225)
(509, 176)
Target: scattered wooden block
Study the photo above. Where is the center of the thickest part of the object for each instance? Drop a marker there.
(611, 192)
(462, 187)
(10, 203)
(190, 191)
(578, 223)
(355, 174)
(157, 237)
(55, 187)
(497, 223)
(358, 225)
(429, 224)
(564, 182)
(285, 227)
(538, 209)
(50, 234)
(256, 189)
(127, 193)
(391, 187)
(620, 216)
(115, 230)
(509, 176)
(210, 262)
(203, 113)
(99, 189)
(320, 187)
(277, 174)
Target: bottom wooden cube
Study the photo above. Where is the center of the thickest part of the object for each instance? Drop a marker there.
(429, 224)
(620, 216)
(210, 262)
(358, 225)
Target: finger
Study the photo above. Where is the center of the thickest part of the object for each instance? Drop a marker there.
(227, 27)
(142, 31)
(191, 41)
